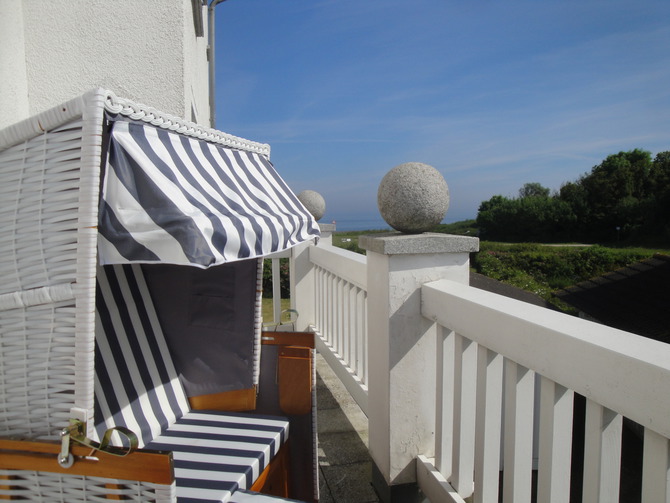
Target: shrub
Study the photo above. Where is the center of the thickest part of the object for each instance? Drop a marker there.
(284, 279)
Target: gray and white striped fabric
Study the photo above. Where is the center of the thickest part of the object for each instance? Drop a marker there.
(215, 453)
(136, 384)
(251, 497)
(174, 199)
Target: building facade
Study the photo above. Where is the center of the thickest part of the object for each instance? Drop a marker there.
(152, 52)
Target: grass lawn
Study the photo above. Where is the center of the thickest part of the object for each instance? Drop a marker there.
(267, 309)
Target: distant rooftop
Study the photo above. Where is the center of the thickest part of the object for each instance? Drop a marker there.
(494, 286)
(635, 298)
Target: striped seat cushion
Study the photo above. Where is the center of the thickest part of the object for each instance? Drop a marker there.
(252, 497)
(216, 453)
(136, 386)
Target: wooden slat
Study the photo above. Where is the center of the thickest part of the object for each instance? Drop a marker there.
(304, 339)
(235, 401)
(602, 454)
(655, 468)
(144, 465)
(488, 425)
(556, 407)
(518, 436)
(294, 376)
(465, 379)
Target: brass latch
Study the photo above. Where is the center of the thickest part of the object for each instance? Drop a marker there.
(76, 432)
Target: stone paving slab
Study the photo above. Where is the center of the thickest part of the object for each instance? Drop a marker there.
(344, 460)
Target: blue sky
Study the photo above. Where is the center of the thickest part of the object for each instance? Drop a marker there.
(494, 94)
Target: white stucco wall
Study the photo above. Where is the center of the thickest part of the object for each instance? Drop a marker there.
(145, 50)
(13, 79)
(196, 67)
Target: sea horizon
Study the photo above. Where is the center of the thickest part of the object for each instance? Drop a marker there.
(365, 223)
(357, 224)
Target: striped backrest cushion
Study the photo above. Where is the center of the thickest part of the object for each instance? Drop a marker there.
(136, 384)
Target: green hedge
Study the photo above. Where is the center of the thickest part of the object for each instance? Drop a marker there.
(544, 269)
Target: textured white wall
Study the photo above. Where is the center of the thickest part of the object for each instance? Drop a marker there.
(196, 67)
(13, 79)
(144, 50)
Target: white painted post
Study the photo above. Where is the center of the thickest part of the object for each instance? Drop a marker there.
(276, 290)
(401, 349)
(602, 453)
(518, 436)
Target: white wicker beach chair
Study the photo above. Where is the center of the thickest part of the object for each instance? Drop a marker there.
(66, 211)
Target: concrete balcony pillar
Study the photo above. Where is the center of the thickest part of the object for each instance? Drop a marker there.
(402, 349)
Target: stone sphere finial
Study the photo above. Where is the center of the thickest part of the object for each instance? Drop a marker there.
(413, 197)
(314, 203)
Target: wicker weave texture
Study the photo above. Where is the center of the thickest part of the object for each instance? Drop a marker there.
(37, 377)
(54, 487)
(49, 184)
(39, 214)
(39, 201)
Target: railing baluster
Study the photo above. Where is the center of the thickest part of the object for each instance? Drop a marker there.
(356, 333)
(364, 338)
(348, 326)
(320, 298)
(518, 439)
(465, 384)
(488, 425)
(656, 468)
(556, 407)
(356, 343)
(444, 420)
(330, 301)
(276, 291)
(602, 453)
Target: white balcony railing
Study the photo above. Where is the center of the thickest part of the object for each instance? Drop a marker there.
(340, 298)
(460, 379)
(489, 346)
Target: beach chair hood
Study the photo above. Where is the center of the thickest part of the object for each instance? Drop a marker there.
(173, 199)
(103, 180)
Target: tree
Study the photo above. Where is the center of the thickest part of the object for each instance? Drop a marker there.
(530, 218)
(626, 196)
(659, 182)
(533, 189)
(615, 193)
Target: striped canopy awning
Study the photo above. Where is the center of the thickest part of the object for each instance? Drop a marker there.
(174, 199)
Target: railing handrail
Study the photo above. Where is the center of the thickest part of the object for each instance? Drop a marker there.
(345, 264)
(616, 369)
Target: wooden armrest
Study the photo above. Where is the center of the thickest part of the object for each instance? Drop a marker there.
(144, 465)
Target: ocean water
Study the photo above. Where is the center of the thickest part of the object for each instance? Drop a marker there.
(357, 224)
(368, 223)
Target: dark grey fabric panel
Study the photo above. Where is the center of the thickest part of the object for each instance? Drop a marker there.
(207, 316)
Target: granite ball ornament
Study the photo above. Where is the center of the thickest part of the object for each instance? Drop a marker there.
(314, 203)
(413, 197)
